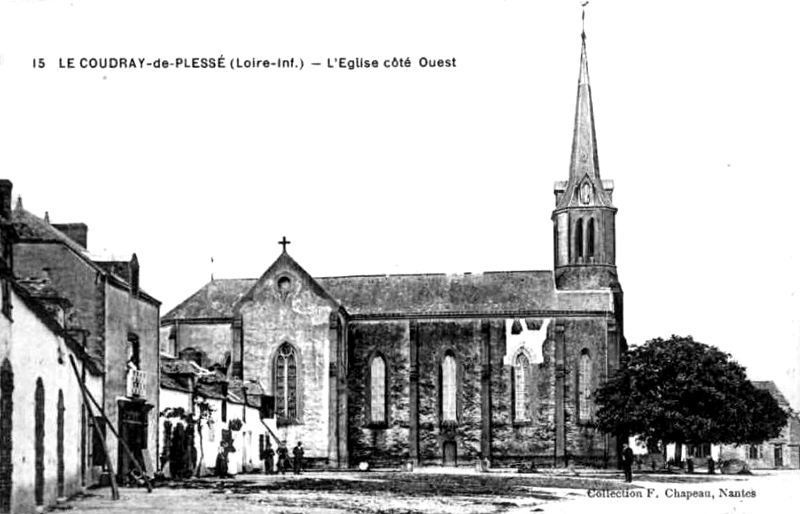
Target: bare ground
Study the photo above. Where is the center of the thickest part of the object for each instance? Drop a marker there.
(400, 493)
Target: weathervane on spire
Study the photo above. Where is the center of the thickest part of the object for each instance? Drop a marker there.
(583, 18)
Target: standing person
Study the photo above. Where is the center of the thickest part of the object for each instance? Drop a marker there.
(298, 457)
(221, 466)
(283, 458)
(269, 458)
(627, 462)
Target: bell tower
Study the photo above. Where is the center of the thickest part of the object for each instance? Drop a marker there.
(583, 220)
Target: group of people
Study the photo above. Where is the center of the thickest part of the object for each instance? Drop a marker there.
(628, 458)
(284, 461)
(268, 457)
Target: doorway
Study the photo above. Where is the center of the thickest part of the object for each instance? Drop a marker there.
(6, 426)
(133, 430)
(449, 449)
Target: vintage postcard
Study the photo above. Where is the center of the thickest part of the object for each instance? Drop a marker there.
(493, 256)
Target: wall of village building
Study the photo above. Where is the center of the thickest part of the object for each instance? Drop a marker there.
(126, 317)
(111, 313)
(35, 353)
(68, 274)
(246, 441)
(779, 453)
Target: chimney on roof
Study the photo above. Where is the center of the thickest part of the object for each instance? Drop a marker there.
(5, 198)
(78, 232)
(134, 275)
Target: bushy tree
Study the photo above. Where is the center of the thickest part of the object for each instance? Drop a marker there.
(682, 391)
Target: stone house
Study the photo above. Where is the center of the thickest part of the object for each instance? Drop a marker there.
(41, 405)
(781, 452)
(116, 320)
(434, 368)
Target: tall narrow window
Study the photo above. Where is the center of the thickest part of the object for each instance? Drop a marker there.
(286, 382)
(377, 377)
(133, 351)
(449, 388)
(172, 341)
(521, 395)
(579, 239)
(590, 238)
(584, 386)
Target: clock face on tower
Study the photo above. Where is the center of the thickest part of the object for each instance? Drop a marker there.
(586, 193)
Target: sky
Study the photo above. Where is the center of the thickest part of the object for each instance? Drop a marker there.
(416, 169)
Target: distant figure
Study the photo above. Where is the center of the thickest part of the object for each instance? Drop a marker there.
(710, 466)
(690, 465)
(298, 457)
(627, 462)
(221, 466)
(269, 458)
(283, 458)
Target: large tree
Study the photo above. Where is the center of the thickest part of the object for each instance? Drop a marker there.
(683, 391)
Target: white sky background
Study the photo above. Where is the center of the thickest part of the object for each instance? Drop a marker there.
(426, 170)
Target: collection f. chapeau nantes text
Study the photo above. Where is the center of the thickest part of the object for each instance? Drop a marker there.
(672, 492)
(234, 63)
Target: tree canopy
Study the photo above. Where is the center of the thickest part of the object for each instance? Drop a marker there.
(682, 391)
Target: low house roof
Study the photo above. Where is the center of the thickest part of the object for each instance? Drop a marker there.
(41, 312)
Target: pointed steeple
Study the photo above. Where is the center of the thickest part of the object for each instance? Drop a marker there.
(584, 187)
(584, 217)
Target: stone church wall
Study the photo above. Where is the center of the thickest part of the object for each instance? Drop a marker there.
(521, 443)
(302, 320)
(379, 445)
(583, 439)
(436, 338)
(214, 339)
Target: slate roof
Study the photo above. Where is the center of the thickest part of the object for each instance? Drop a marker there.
(214, 300)
(31, 228)
(209, 383)
(41, 312)
(428, 294)
(769, 385)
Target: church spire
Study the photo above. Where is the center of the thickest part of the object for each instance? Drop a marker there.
(584, 186)
(584, 217)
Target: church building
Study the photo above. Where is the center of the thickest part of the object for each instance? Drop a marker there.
(433, 368)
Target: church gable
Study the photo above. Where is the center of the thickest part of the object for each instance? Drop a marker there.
(283, 283)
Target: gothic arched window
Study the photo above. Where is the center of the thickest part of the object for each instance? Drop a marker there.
(590, 238)
(521, 388)
(377, 398)
(584, 386)
(449, 388)
(286, 382)
(579, 239)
